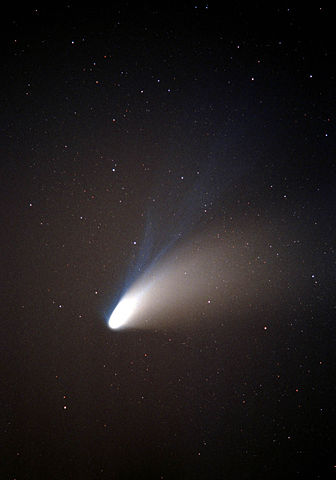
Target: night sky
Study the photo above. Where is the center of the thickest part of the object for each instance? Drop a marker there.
(130, 135)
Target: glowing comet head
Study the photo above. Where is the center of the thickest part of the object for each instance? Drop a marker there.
(123, 311)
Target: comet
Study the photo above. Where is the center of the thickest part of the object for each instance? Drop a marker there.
(190, 269)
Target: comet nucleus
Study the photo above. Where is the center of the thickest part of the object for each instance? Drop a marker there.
(123, 311)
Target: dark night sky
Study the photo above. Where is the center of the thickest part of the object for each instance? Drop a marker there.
(105, 112)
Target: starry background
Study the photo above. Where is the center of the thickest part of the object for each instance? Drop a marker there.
(102, 110)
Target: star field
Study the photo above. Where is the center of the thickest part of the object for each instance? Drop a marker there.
(136, 133)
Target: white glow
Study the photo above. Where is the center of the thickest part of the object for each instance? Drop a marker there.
(123, 311)
(211, 276)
